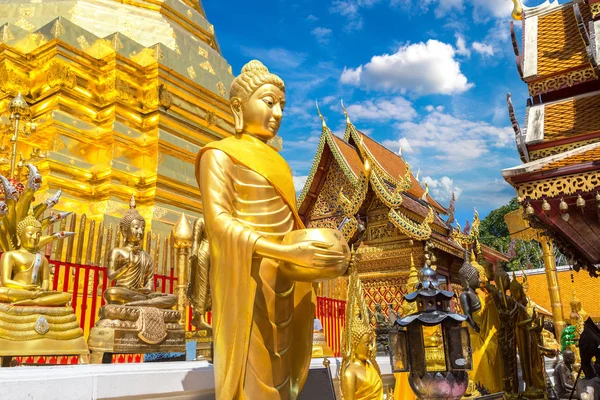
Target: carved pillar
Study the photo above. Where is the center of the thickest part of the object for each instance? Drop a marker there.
(182, 237)
(553, 287)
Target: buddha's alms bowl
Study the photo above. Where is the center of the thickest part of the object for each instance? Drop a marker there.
(325, 235)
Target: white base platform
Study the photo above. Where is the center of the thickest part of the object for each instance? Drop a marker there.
(184, 380)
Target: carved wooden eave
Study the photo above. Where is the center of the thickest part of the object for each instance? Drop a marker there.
(573, 177)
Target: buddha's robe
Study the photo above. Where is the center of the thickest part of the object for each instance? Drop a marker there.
(262, 320)
(139, 271)
(487, 368)
(371, 388)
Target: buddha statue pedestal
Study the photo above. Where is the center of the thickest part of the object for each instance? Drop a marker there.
(40, 331)
(204, 344)
(135, 330)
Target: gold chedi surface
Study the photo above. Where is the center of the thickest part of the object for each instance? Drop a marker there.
(124, 94)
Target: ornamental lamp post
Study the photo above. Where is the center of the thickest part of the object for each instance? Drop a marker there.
(437, 371)
(19, 112)
(182, 240)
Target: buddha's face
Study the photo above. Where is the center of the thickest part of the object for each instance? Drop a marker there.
(364, 347)
(261, 113)
(136, 231)
(30, 238)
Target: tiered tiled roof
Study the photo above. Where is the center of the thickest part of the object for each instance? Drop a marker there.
(589, 156)
(572, 117)
(560, 47)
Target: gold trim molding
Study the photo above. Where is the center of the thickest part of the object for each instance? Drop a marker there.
(561, 81)
(564, 185)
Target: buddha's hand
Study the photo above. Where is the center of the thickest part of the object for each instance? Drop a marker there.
(312, 260)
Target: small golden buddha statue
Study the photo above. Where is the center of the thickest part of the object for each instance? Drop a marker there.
(360, 378)
(25, 272)
(132, 268)
(262, 260)
(40, 321)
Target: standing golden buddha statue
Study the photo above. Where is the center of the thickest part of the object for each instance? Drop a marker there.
(34, 320)
(262, 261)
(360, 377)
(136, 319)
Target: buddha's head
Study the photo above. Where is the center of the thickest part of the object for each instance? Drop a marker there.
(257, 100)
(468, 274)
(378, 307)
(362, 343)
(568, 357)
(132, 225)
(29, 232)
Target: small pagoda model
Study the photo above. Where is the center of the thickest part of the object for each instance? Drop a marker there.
(559, 144)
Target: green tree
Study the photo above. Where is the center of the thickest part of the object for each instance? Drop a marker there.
(524, 254)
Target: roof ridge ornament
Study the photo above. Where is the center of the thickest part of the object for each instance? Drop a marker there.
(517, 12)
(345, 113)
(320, 115)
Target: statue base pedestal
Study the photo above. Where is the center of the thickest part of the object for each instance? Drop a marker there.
(135, 330)
(204, 344)
(39, 331)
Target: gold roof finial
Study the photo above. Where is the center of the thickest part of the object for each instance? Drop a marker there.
(320, 115)
(345, 113)
(418, 174)
(424, 197)
(517, 12)
(132, 201)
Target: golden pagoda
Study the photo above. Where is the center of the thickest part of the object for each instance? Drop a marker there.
(123, 96)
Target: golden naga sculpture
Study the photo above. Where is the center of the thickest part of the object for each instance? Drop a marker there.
(262, 261)
(34, 320)
(136, 319)
(132, 269)
(359, 373)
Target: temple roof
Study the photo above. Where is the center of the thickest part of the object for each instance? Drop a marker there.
(555, 53)
(396, 166)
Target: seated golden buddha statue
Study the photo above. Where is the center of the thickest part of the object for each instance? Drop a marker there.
(136, 318)
(132, 268)
(34, 320)
(360, 377)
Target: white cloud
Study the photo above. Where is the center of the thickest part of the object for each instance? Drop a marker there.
(312, 18)
(484, 49)
(321, 34)
(276, 58)
(461, 46)
(494, 8)
(299, 182)
(445, 6)
(350, 9)
(396, 145)
(456, 143)
(442, 189)
(382, 109)
(420, 68)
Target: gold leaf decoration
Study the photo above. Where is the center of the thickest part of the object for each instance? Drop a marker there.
(5, 34)
(221, 89)
(206, 66)
(202, 51)
(191, 72)
(57, 29)
(83, 43)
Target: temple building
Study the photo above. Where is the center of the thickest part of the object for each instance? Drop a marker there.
(123, 96)
(370, 194)
(559, 143)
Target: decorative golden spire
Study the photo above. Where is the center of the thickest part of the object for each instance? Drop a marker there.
(517, 12)
(182, 231)
(132, 202)
(424, 197)
(346, 113)
(320, 115)
(413, 275)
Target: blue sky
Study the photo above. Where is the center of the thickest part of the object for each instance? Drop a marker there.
(430, 74)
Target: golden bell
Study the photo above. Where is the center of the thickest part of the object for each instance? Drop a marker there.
(529, 210)
(546, 206)
(598, 197)
(580, 201)
(563, 206)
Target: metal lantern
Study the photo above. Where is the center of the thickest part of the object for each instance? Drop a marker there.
(432, 344)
